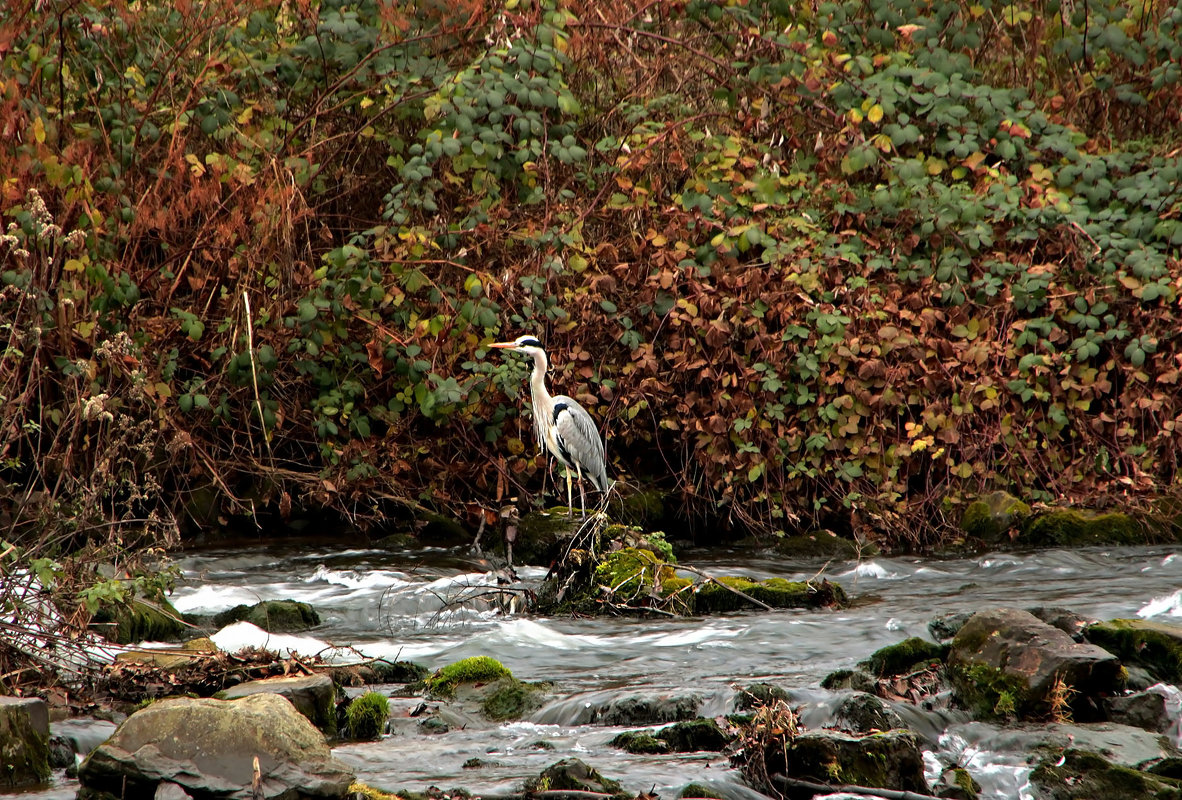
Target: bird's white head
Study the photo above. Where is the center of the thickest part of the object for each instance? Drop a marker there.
(522, 344)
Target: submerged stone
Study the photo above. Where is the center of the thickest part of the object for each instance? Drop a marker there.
(572, 774)
(1156, 646)
(695, 735)
(639, 743)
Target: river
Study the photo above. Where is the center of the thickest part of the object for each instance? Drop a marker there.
(428, 605)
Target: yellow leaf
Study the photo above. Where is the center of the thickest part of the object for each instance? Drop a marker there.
(366, 102)
(73, 265)
(875, 114)
(163, 390)
(855, 116)
(84, 329)
(39, 130)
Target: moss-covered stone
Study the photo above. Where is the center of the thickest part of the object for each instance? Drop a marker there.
(275, 616)
(478, 669)
(645, 508)
(1072, 528)
(698, 790)
(759, 694)
(694, 735)
(363, 791)
(571, 774)
(889, 760)
(639, 743)
(854, 679)
(138, 621)
(366, 716)
(901, 658)
(957, 784)
(510, 698)
(991, 517)
(1081, 775)
(988, 693)
(775, 592)
(1155, 646)
(24, 742)
(379, 671)
(542, 536)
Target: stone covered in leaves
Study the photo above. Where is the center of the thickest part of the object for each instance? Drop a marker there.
(1006, 662)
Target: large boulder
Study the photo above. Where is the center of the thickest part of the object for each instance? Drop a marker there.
(24, 742)
(1006, 662)
(206, 747)
(314, 696)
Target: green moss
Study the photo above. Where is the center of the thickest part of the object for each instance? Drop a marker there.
(694, 735)
(363, 791)
(512, 699)
(1078, 774)
(478, 669)
(632, 571)
(571, 774)
(988, 693)
(138, 621)
(898, 659)
(1071, 528)
(640, 743)
(990, 517)
(963, 780)
(276, 616)
(697, 790)
(366, 716)
(1153, 645)
(759, 694)
(775, 592)
(854, 679)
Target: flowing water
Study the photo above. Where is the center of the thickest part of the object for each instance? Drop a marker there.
(431, 606)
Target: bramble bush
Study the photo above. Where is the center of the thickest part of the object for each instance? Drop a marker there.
(842, 265)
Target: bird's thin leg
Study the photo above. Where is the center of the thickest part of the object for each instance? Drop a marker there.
(570, 500)
(582, 491)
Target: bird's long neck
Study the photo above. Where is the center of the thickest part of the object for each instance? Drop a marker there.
(537, 381)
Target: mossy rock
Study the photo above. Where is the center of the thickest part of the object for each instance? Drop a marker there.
(274, 616)
(991, 517)
(24, 742)
(694, 735)
(886, 760)
(380, 671)
(901, 658)
(139, 621)
(775, 592)
(509, 698)
(1155, 646)
(1082, 775)
(988, 693)
(639, 743)
(698, 790)
(542, 537)
(1072, 528)
(572, 774)
(645, 508)
(759, 694)
(957, 784)
(854, 679)
(477, 669)
(438, 529)
(365, 717)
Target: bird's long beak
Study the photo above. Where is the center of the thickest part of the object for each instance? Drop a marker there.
(503, 345)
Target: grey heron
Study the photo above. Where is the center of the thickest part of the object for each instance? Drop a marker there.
(563, 427)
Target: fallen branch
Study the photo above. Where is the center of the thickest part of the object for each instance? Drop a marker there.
(712, 579)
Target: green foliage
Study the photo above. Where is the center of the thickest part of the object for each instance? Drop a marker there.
(837, 266)
(365, 717)
(477, 669)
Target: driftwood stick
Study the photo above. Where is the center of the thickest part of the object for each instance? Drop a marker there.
(818, 788)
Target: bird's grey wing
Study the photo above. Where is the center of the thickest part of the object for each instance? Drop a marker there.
(579, 439)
